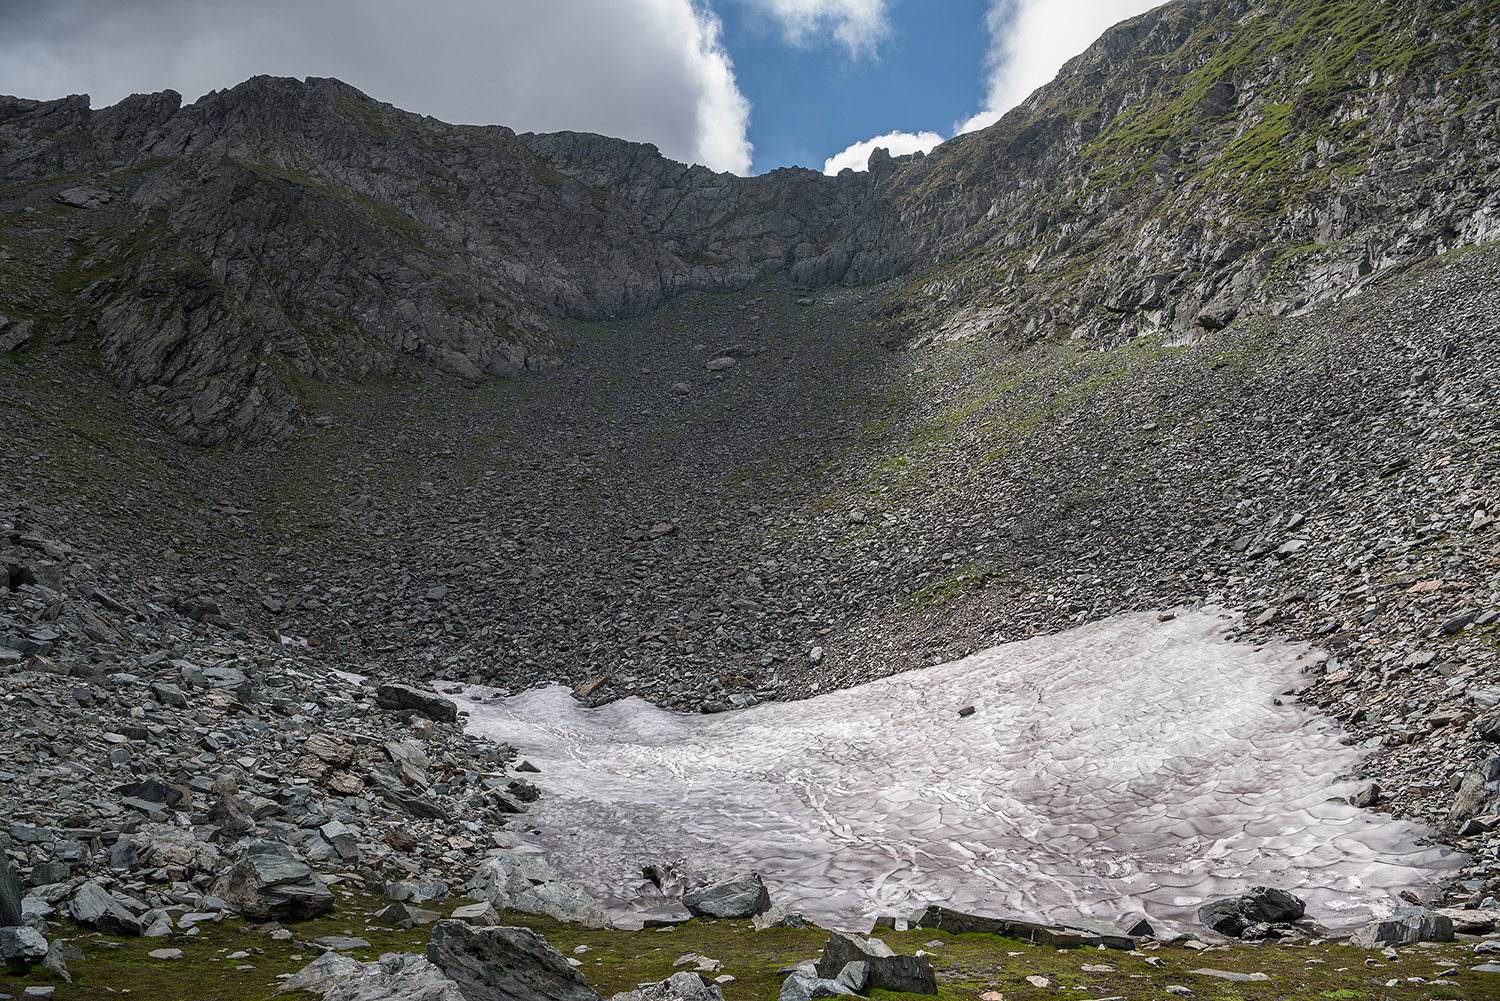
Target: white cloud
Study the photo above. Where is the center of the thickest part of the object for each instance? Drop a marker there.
(646, 70)
(858, 25)
(898, 143)
(1031, 39)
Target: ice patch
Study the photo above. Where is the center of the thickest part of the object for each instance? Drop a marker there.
(1126, 766)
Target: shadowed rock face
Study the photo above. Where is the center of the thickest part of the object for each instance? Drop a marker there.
(1202, 162)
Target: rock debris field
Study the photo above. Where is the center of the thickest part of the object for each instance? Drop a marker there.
(180, 626)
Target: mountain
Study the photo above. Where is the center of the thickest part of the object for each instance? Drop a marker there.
(1208, 159)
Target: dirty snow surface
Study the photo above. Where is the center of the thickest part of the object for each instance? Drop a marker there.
(1128, 766)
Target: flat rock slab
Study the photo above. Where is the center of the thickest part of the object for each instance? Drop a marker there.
(1231, 975)
(10, 892)
(393, 695)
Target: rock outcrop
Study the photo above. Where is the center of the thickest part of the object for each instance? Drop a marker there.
(1202, 162)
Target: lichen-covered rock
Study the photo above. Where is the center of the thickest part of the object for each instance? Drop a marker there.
(527, 883)
(505, 964)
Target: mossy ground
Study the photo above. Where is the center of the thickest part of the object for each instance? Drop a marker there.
(968, 966)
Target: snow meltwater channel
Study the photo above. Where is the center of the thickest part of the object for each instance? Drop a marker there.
(1128, 766)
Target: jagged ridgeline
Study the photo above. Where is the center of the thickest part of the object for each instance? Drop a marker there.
(1209, 159)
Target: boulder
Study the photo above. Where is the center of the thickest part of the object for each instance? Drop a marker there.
(1407, 925)
(393, 695)
(10, 892)
(270, 884)
(805, 984)
(505, 964)
(778, 916)
(321, 974)
(21, 945)
(400, 976)
(527, 883)
(684, 986)
(1262, 905)
(742, 895)
(887, 971)
(92, 905)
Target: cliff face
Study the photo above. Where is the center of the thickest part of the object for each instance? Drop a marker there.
(1208, 159)
(1205, 160)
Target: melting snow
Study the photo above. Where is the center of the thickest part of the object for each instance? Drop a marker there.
(1128, 766)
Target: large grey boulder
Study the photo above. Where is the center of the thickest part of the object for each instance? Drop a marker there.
(887, 970)
(393, 695)
(684, 986)
(10, 892)
(742, 895)
(322, 973)
(21, 945)
(805, 984)
(400, 976)
(527, 883)
(1407, 925)
(1263, 904)
(270, 884)
(93, 906)
(505, 964)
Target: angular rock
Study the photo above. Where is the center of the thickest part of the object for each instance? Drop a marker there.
(10, 892)
(322, 973)
(887, 970)
(1263, 904)
(396, 977)
(476, 914)
(92, 905)
(778, 916)
(393, 695)
(743, 895)
(21, 945)
(270, 884)
(684, 986)
(527, 883)
(505, 964)
(1407, 925)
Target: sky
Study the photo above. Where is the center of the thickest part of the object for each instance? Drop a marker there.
(738, 85)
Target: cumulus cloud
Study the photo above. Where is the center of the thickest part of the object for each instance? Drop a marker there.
(859, 25)
(898, 143)
(647, 70)
(1031, 39)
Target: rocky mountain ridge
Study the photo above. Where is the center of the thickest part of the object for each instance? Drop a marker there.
(1207, 159)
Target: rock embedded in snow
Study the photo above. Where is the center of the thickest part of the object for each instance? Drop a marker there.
(1262, 904)
(742, 895)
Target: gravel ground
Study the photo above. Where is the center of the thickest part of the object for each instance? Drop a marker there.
(650, 519)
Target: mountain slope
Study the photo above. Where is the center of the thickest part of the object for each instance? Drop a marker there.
(1207, 159)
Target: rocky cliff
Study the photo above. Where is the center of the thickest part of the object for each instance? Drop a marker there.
(1209, 159)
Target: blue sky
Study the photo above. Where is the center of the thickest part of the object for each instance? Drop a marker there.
(740, 85)
(808, 102)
